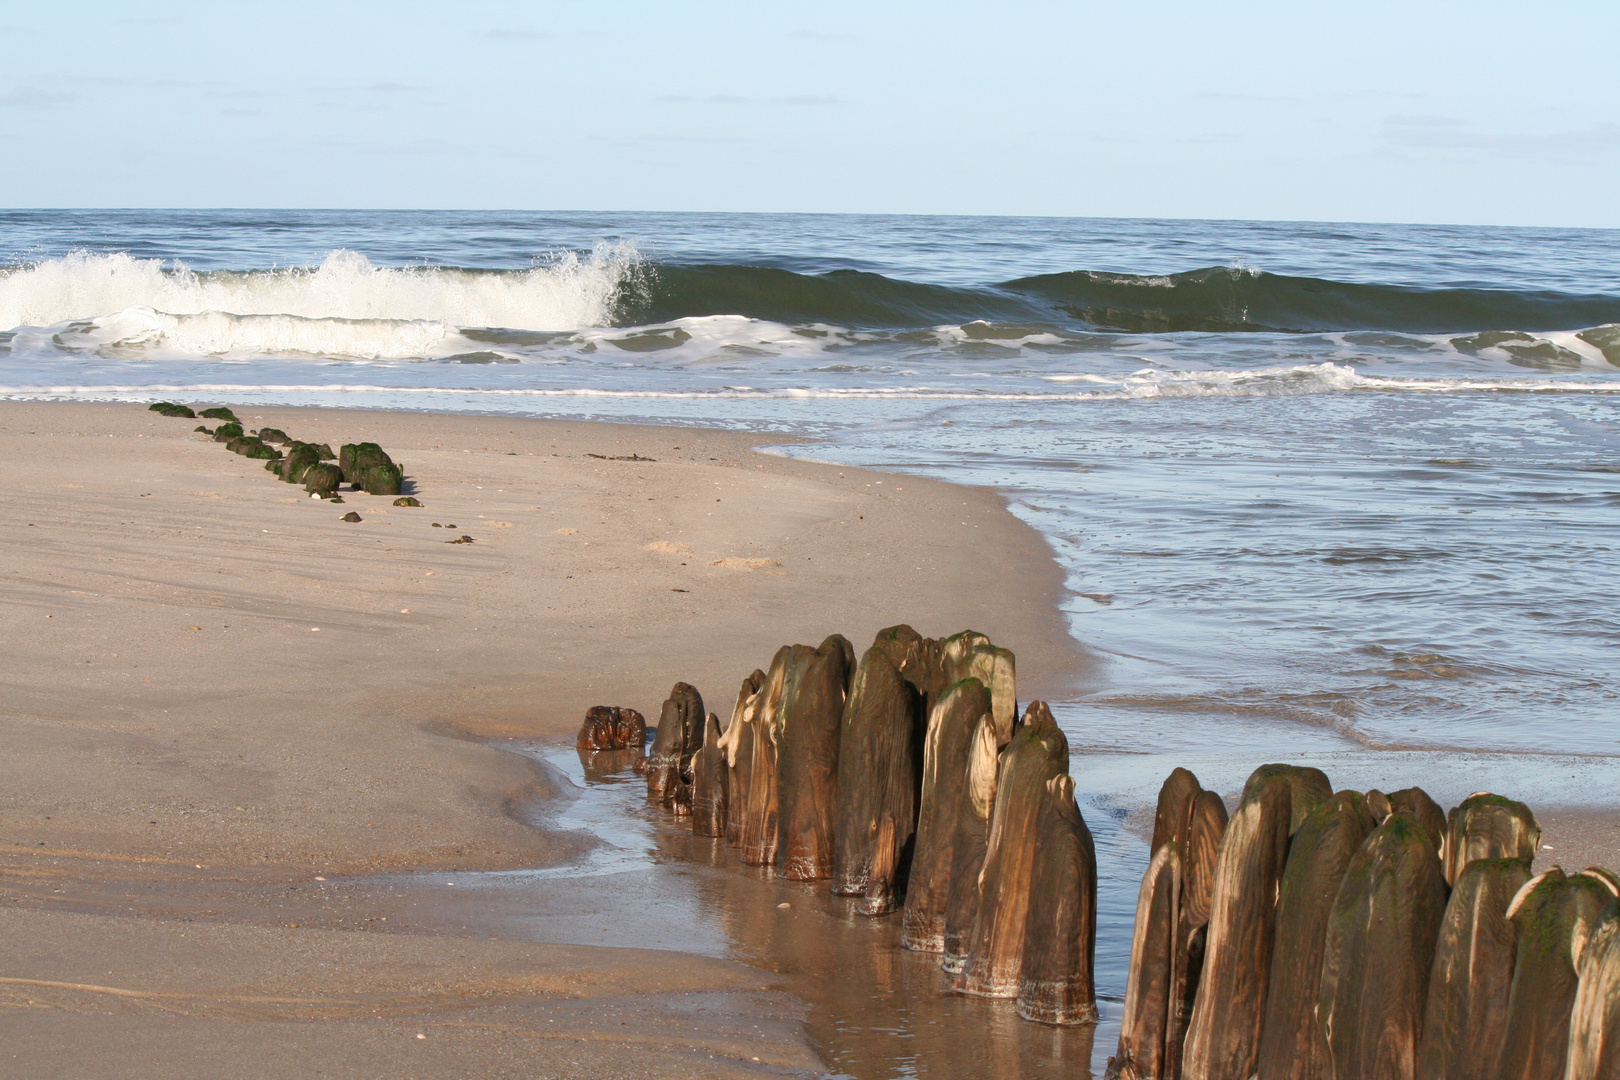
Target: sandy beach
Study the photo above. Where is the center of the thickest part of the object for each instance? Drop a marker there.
(218, 693)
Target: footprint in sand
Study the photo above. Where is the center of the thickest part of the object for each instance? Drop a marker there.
(667, 547)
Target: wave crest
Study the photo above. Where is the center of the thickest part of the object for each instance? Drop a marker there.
(569, 292)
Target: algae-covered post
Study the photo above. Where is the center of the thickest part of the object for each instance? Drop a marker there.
(1291, 1043)
(1554, 915)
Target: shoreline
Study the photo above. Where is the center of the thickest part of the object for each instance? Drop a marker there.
(221, 694)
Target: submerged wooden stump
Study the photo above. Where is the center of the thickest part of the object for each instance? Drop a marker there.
(807, 729)
(1379, 952)
(1555, 916)
(1594, 1023)
(1488, 826)
(669, 763)
(1223, 1037)
(1056, 983)
(709, 788)
(944, 783)
(611, 727)
(971, 842)
(1465, 1019)
(1291, 1043)
(1037, 753)
(876, 804)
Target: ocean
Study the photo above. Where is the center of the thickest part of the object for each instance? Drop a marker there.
(1337, 494)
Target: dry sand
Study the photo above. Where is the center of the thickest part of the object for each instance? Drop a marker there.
(215, 691)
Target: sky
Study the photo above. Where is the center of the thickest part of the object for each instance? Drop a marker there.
(1475, 113)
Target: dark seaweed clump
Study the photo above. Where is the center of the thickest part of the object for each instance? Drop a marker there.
(218, 412)
(169, 408)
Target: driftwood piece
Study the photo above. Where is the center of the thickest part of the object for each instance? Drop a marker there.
(876, 805)
(680, 734)
(760, 838)
(737, 743)
(612, 727)
(1465, 1019)
(807, 728)
(1555, 916)
(710, 790)
(971, 842)
(1037, 753)
(1056, 982)
(1487, 826)
(1594, 1023)
(1223, 1037)
(1379, 952)
(945, 755)
(1291, 1045)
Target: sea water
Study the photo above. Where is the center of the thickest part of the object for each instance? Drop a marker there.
(1335, 494)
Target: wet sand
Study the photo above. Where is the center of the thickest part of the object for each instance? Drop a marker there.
(217, 693)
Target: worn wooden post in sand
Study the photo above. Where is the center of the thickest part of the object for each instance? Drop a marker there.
(709, 787)
(1198, 865)
(1465, 1019)
(759, 837)
(1555, 916)
(971, 842)
(1038, 753)
(1379, 952)
(1056, 982)
(807, 728)
(1487, 826)
(609, 727)
(737, 744)
(1291, 1044)
(1594, 1023)
(1145, 1019)
(876, 805)
(945, 755)
(680, 734)
(1223, 1037)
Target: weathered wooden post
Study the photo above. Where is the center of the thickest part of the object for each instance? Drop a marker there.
(944, 784)
(876, 805)
(1379, 952)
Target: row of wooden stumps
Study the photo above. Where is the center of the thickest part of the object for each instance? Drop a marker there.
(907, 779)
(1322, 935)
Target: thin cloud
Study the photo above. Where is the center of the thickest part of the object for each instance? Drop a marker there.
(798, 100)
(26, 97)
(1599, 138)
(1425, 121)
(512, 34)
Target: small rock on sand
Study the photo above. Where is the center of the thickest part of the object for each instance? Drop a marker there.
(351, 516)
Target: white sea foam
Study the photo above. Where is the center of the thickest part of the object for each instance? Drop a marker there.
(1142, 385)
(568, 293)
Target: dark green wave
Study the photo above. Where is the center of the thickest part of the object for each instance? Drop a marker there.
(1211, 300)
